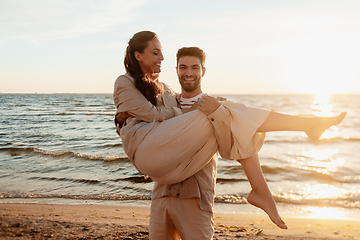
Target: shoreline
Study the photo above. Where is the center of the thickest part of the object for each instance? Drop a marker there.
(285, 210)
(29, 220)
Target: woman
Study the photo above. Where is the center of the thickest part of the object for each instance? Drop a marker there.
(156, 135)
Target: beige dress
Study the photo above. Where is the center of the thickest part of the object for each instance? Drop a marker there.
(169, 146)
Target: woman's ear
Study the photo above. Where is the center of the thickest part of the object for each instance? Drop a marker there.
(137, 55)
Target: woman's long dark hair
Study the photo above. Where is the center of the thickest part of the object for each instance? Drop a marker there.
(149, 88)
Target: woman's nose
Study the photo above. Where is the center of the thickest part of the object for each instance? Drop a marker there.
(161, 57)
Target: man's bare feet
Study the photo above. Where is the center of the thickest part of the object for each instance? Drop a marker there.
(267, 204)
(318, 125)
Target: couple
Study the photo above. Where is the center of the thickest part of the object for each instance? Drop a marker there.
(174, 138)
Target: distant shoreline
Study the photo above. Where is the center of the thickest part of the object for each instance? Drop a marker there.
(216, 94)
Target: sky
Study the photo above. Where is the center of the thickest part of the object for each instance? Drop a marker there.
(252, 46)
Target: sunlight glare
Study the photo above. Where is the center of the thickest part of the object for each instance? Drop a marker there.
(322, 105)
(322, 161)
(332, 132)
(324, 213)
(315, 192)
(323, 108)
(320, 154)
(321, 191)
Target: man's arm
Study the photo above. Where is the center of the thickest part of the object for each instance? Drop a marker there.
(215, 112)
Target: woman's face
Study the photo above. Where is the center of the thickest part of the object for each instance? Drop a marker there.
(150, 59)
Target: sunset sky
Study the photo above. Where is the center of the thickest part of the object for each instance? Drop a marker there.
(252, 47)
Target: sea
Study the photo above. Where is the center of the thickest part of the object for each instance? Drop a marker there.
(63, 149)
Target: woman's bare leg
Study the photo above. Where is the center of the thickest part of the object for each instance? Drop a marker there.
(260, 195)
(314, 127)
(318, 125)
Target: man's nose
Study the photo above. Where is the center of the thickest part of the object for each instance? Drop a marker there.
(188, 72)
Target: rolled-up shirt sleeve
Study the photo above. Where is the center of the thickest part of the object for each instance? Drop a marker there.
(222, 130)
(235, 127)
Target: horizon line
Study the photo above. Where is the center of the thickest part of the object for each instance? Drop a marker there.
(287, 93)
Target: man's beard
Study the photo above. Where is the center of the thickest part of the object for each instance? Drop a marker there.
(190, 88)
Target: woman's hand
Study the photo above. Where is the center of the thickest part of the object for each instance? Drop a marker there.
(192, 108)
(120, 118)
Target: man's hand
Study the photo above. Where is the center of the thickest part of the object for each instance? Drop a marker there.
(208, 104)
(221, 98)
(120, 118)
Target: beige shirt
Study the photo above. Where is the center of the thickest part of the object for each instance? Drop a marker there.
(128, 98)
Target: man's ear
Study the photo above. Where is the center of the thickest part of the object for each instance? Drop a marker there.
(137, 55)
(203, 71)
(177, 71)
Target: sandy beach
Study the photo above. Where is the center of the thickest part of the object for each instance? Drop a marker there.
(42, 221)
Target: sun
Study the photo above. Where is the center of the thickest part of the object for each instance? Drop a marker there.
(323, 108)
(322, 105)
(321, 98)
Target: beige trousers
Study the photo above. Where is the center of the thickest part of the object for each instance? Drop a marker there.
(177, 148)
(174, 218)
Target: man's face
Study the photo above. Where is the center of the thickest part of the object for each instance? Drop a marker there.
(190, 72)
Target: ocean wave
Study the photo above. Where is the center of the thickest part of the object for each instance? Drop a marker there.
(100, 114)
(233, 199)
(36, 109)
(290, 173)
(84, 181)
(351, 139)
(85, 113)
(230, 180)
(14, 151)
(307, 140)
(133, 179)
(347, 201)
(353, 203)
(114, 197)
(94, 111)
(111, 145)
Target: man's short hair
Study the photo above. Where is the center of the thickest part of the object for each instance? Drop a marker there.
(191, 51)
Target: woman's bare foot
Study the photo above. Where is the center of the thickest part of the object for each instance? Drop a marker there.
(267, 204)
(318, 125)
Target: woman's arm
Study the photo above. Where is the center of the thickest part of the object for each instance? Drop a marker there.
(128, 98)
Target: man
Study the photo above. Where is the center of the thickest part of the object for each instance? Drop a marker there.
(185, 210)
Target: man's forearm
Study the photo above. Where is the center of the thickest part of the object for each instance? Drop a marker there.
(221, 123)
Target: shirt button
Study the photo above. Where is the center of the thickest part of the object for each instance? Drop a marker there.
(212, 119)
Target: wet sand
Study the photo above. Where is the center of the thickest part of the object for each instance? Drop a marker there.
(42, 221)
